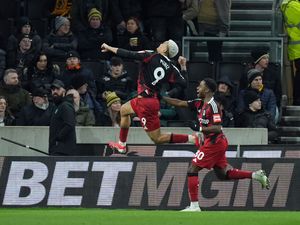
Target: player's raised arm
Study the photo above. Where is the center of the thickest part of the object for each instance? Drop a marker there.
(175, 102)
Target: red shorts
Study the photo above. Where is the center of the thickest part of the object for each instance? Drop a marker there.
(210, 155)
(147, 110)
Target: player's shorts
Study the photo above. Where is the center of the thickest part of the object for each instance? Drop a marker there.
(147, 110)
(210, 155)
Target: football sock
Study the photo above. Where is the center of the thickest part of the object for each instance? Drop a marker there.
(193, 186)
(123, 134)
(238, 174)
(179, 138)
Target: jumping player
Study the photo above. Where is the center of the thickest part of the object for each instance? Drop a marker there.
(156, 70)
(212, 153)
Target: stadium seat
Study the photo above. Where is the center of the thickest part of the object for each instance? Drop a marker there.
(199, 70)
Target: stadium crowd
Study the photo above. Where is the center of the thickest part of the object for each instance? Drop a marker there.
(58, 42)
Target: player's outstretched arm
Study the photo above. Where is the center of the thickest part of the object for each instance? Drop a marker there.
(175, 102)
(107, 48)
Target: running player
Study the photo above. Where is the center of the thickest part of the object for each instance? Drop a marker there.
(211, 153)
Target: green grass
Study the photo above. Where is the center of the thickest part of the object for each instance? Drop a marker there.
(80, 216)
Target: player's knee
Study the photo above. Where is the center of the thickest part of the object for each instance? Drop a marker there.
(221, 175)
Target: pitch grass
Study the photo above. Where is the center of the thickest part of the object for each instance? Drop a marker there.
(80, 216)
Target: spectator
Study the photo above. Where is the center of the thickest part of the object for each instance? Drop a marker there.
(62, 133)
(39, 113)
(61, 40)
(122, 10)
(2, 62)
(228, 118)
(6, 118)
(272, 78)
(84, 117)
(81, 8)
(40, 73)
(112, 116)
(93, 36)
(24, 27)
(22, 56)
(133, 39)
(88, 98)
(164, 20)
(256, 117)
(74, 68)
(189, 14)
(16, 96)
(266, 95)
(226, 88)
(117, 80)
(213, 21)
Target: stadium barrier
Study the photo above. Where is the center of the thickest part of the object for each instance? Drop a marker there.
(142, 183)
(37, 137)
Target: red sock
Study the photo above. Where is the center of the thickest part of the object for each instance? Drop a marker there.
(123, 134)
(179, 138)
(193, 186)
(238, 174)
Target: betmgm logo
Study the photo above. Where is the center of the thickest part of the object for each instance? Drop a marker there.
(145, 184)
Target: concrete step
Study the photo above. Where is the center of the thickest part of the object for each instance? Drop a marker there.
(292, 121)
(291, 111)
(251, 4)
(289, 131)
(250, 23)
(239, 33)
(289, 140)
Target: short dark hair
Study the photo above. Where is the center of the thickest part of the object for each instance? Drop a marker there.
(211, 84)
(116, 61)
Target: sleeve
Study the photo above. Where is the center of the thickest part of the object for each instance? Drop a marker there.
(179, 82)
(192, 104)
(68, 117)
(216, 113)
(133, 54)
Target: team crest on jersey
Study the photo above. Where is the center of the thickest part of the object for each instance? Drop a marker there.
(217, 118)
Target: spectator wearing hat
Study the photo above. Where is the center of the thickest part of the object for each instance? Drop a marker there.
(61, 39)
(271, 73)
(62, 133)
(88, 98)
(84, 116)
(22, 56)
(228, 100)
(40, 73)
(267, 97)
(117, 79)
(81, 8)
(74, 68)
(112, 114)
(16, 96)
(6, 118)
(255, 116)
(93, 36)
(133, 39)
(39, 113)
(24, 27)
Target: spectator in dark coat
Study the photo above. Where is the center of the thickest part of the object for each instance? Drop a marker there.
(266, 95)
(93, 36)
(116, 80)
(81, 8)
(6, 118)
(164, 20)
(74, 68)
(39, 113)
(88, 98)
(122, 10)
(84, 116)
(16, 96)
(41, 73)
(133, 39)
(2, 62)
(61, 40)
(62, 133)
(24, 27)
(256, 117)
(22, 56)
(271, 74)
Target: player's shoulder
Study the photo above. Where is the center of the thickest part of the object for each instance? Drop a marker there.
(213, 104)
